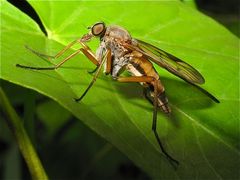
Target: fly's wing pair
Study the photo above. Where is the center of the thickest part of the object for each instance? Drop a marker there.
(172, 64)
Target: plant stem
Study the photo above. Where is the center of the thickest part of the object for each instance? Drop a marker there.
(26, 148)
(28, 117)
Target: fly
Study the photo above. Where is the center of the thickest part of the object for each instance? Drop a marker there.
(119, 52)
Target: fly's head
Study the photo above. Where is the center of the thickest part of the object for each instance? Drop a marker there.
(97, 30)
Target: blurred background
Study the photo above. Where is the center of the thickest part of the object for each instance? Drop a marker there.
(66, 139)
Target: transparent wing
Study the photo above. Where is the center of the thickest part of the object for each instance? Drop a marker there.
(169, 62)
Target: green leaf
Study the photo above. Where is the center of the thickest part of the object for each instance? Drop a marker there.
(190, 3)
(202, 135)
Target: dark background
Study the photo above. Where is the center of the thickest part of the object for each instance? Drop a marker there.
(72, 150)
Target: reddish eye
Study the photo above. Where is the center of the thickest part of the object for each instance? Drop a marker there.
(98, 29)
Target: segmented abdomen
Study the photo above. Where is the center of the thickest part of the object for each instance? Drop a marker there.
(163, 103)
(142, 67)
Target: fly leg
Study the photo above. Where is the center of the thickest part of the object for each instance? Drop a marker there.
(106, 57)
(52, 67)
(93, 71)
(89, 54)
(85, 50)
(149, 79)
(49, 57)
(172, 161)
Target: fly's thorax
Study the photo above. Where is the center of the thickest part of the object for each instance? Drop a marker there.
(118, 54)
(113, 39)
(118, 32)
(117, 49)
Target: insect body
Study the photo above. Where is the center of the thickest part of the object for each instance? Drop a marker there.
(123, 58)
(119, 52)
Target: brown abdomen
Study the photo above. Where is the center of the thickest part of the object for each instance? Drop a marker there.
(143, 67)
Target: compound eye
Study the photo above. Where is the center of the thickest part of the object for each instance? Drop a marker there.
(98, 29)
